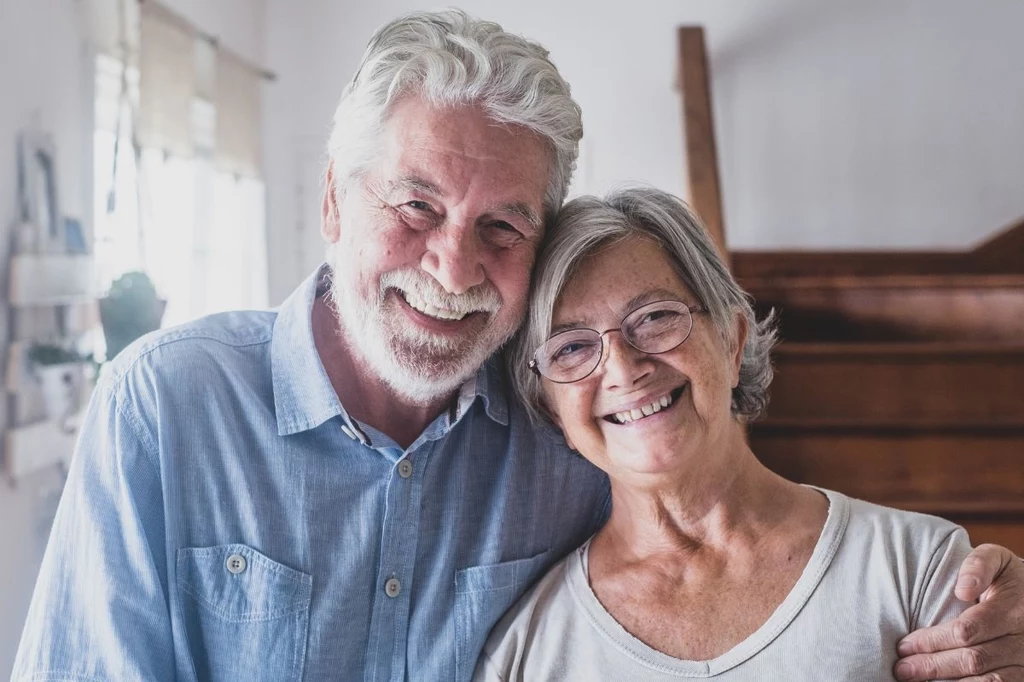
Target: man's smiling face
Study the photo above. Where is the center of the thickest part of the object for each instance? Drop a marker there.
(433, 245)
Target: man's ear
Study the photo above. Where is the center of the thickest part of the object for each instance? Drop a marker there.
(330, 213)
(741, 329)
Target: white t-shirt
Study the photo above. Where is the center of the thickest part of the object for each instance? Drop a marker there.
(875, 574)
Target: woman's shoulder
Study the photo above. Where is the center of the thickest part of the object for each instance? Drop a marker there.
(918, 554)
(907, 528)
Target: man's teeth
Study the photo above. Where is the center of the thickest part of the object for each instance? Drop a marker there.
(645, 411)
(419, 304)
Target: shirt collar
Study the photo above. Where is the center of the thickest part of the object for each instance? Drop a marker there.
(303, 395)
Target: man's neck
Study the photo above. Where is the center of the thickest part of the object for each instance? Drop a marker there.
(365, 397)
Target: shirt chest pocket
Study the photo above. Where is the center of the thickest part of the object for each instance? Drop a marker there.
(482, 595)
(245, 615)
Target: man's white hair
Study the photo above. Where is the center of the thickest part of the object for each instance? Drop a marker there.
(449, 59)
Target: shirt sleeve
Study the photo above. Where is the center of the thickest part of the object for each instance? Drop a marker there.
(934, 601)
(100, 607)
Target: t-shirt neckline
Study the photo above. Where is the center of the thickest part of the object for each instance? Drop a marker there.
(821, 558)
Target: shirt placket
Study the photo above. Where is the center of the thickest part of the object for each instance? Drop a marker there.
(389, 629)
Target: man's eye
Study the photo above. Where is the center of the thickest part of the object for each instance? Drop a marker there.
(419, 205)
(502, 234)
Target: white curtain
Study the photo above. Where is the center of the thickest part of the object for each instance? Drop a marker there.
(167, 82)
(238, 97)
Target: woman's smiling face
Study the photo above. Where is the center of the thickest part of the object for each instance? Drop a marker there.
(695, 379)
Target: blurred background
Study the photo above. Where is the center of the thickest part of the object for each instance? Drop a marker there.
(160, 161)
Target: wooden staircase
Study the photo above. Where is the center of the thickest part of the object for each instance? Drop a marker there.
(900, 378)
(907, 391)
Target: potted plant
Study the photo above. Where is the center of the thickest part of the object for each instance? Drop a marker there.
(129, 310)
(61, 372)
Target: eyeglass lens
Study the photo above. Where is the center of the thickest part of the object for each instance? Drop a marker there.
(653, 328)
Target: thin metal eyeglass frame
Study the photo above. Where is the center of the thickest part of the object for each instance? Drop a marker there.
(690, 309)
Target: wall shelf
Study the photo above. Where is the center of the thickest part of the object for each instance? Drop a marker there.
(40, 445)
(50, 279)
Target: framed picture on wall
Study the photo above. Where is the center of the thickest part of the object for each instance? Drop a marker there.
(41, 227)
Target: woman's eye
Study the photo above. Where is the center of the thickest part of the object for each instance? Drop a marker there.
(568, 349)
(573, 351)
(658, 316)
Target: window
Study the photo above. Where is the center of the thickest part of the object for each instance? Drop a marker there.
(197, 231)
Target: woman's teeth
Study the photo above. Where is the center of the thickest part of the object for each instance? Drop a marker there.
(644, 411)
(417, 303)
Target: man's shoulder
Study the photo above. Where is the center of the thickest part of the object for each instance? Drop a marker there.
(219, 342)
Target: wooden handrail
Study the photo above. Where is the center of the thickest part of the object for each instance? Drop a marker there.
(704, 192)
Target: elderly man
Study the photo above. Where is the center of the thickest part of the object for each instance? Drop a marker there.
(342, 489)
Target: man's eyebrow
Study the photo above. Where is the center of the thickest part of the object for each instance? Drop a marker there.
(418, 184)
(525, 212)
(415, 183)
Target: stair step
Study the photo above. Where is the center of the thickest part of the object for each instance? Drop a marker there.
(960, 474)
(922, 386)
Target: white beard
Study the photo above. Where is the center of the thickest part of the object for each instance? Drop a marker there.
(419, 366)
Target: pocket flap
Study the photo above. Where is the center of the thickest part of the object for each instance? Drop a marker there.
(500, 576)
(255, 588)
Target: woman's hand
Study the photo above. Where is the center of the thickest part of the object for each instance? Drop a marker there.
(986, 643)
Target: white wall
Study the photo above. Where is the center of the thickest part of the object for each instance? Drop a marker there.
(842, 124)
(46, 75)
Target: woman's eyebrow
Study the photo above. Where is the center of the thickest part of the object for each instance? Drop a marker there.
(649, 297)
(566, 326)
(632, 304)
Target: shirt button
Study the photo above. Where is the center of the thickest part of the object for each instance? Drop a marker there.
(236, 564)
(392, 587)
(405, 468)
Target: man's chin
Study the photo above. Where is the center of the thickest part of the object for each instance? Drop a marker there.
(421, 387)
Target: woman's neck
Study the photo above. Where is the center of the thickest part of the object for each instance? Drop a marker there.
(725, 506)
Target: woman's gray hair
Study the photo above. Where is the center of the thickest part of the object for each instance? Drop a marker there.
(587, 224)
(449, 59)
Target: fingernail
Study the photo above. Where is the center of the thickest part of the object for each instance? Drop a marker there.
(968, 582)
(904, 649)
(904, 670)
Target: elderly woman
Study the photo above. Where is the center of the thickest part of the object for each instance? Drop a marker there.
(644, 350)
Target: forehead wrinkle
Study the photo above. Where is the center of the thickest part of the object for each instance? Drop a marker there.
(638, 301)
(650, 296)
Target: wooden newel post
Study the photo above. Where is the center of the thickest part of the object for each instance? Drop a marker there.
(699, 134)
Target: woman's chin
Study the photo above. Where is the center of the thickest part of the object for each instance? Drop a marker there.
(647, 464)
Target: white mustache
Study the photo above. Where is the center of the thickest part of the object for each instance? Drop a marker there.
(481, 298)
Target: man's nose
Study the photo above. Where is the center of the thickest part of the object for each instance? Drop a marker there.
(453, 258)
(623, 365)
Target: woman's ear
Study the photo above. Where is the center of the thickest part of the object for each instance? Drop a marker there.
(740, 330)
(330, 214)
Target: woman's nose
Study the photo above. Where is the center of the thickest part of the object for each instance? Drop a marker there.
(623, 365)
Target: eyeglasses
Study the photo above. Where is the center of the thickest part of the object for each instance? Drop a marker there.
(652, 328)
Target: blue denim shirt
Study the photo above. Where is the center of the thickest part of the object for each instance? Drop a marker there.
(225, 519)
